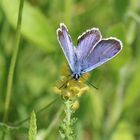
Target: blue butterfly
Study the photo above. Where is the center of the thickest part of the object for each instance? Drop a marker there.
(91, 50)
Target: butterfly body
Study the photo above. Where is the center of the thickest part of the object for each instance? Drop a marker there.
(76, 76)
(91, 50)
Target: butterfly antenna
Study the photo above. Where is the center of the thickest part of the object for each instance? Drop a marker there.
(63, 85)
(90, 83)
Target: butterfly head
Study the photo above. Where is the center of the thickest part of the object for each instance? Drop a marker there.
(76, 76)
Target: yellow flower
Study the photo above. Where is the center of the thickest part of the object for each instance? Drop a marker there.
(67, 86)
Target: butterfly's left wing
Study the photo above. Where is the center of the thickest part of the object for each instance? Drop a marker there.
(66, 44)
(104, 50)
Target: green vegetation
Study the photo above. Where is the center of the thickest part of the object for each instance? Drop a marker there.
(110, 113)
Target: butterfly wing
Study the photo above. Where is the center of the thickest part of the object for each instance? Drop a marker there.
(104, 50)
(66, 44)
(86, 42)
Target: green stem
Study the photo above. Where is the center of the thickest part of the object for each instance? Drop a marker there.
(68, 118)
(13, 63)
(38, 112)
(12, 66)
(17, 126)
(66, 129)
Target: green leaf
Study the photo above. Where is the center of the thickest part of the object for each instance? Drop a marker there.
(68, 11)
(135, 16)
(131, 32)
(32, 127)
(35, 26)
(132, 92)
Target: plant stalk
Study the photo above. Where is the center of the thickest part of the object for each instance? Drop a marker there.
(13, 63)
(66, 129)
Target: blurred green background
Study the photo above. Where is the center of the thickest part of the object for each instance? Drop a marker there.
(110, 113)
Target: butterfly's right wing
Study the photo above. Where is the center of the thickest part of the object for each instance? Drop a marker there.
(66, 44)
(104, 50)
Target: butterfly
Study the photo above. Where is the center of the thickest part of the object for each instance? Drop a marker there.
(90, 52)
